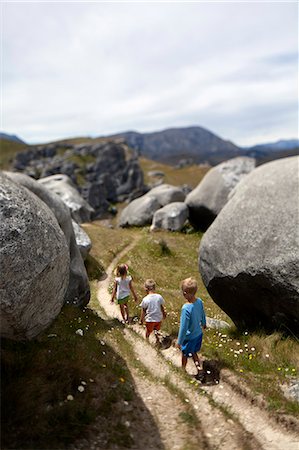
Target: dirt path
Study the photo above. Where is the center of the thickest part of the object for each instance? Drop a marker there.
(225, 419)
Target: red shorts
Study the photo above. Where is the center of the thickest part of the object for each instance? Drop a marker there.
(151, 326)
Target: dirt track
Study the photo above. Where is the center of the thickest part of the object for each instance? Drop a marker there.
(226, 419)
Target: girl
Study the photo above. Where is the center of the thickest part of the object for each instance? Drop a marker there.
(122, 289)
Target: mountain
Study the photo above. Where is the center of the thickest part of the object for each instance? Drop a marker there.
(274, 150)
(174, 144)
(11, 137)
(283, 144)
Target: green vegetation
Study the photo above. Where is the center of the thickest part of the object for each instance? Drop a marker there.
(65, 380)
(190, 175)
(262, 361)
(8, 150)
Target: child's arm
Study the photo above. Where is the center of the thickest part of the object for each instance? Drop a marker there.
(142, 316)
(203, 320)
(133, 292)
(113, 292)
(163, 312)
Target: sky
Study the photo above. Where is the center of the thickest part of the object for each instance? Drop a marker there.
(73, 69)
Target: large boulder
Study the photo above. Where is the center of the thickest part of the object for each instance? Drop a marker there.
(165, 194)
(249, 256)
(208, 198)
(34, 258)
(171, 217)
(78, 291)
(139, 212)
(63, 186)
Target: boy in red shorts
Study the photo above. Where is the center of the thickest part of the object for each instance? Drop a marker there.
(152, 311)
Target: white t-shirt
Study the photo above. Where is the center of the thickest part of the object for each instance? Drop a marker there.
(123, 287)
(152, 304)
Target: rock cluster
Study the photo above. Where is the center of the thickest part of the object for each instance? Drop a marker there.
(103, 173)
(140, 211)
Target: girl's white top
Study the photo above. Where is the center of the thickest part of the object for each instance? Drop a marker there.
(152, 305)
(123, 287)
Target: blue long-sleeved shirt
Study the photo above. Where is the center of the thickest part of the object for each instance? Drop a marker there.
(192, 318)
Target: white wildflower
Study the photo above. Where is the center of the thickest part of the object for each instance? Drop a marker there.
(79, 332)
(70, 397)
(81, 388)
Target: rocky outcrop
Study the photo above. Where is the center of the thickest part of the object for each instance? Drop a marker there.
(62, 186)
(82, 240)
(34, 257)
(78, 292)
(249, 256)
(208, 198)
(103, 172)
(171, 217)
(141, 211)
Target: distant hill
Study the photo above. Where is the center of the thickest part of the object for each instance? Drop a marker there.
(11, 137)
(281, 145)
(174, 144)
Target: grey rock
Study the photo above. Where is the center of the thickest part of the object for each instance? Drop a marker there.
(171, 217)
(217, 324)
(78, 292)
(291, 390)
(165, 194)
(156, 173)
(208, 198)
(139, 212)
(62, 185)
(82, 240)
(34, 258)
(249, 256)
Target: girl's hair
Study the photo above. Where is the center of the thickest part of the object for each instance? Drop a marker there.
(150, 285)
(122, 269)
(189, 285)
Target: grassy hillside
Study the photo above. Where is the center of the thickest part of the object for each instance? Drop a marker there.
(190, 175)
(8, 150)
(62, 381)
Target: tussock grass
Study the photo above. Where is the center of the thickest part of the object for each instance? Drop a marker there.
(39, 376)
(8, 150)
(190, 175)
(274, 359)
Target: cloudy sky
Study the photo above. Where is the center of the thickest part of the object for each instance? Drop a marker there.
(96, 68)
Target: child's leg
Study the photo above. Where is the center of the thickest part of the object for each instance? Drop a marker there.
(127, 312)
(184, 361)
(157, 327)
(122, 311)
(149, 329)
(196, 361)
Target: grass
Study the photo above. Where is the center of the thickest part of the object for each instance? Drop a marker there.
(38, 378)
(263, 361)
(190, 175)
(8, 150)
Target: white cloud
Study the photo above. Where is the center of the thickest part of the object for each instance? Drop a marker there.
(97, 68)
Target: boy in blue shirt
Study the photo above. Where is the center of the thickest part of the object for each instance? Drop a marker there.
(193, 319)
